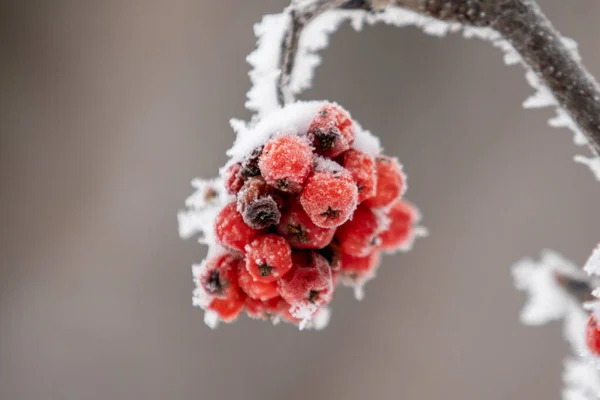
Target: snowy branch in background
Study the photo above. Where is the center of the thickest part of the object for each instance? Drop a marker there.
(556, 289)
(286, 56)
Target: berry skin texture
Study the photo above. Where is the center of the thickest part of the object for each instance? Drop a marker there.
(390, 182)
(233, 178)
(298, 229)
(331, 132)
(402, 215)
(362, 168)
(219, 276)
(592, 336)
(356, 271)
(228, 309)
(268, 258)
(358, 237)
(285, 163)
(231, 230)
(255, 289)
(308, 285)
(258, 309)
(256, 203)
(329, 198)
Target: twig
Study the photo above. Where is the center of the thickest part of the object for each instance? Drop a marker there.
(520, 22)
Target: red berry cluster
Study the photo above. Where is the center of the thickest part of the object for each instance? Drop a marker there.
(309, 210)
(592, 336)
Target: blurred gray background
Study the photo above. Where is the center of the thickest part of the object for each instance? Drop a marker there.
(110, 108)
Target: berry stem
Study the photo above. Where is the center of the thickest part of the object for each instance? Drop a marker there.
(520, 22)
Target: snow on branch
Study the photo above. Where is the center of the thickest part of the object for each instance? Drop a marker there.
(556, 289)
(286, 56)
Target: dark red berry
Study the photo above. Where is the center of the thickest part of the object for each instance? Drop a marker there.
(218, 275)
(233, 178)
(256, 203)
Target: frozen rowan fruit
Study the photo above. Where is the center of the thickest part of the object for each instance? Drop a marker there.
(285, 163)
(256, 203)
(298, 229)
(258, 309)
(250, 164)
(231, 230)
(219, 275)
(255, 289)
(329, 197)
(268, 258)
(358, 237)
(356, 271)
(308, 285)
(592, 336)
(362, 168)
(233, 178)
(331, 132)
(390, 182)
(402, 216)
(228, 309)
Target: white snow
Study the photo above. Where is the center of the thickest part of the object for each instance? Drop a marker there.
(592, 266)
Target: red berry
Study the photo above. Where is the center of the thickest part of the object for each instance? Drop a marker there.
(298, 229)
(258, 309)
(402, 216)
(256, 203)
(231, 230)
(358, 236)
(592, 336)
(362, 168)
(228, 309)
(356, 271)
(268, 258)
(329, 197)
(219, 275)
(285, 163)
(331, 132)
(390, 182)
(253, 288)
(308, 285)
(233, 178)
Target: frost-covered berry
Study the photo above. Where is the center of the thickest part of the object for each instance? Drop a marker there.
(298, 229)
(592, 336)
(390, 182)
(362, 168)
(231, 230)
(358, 237)
(356, 271)
(256, 202)
(255, 289)
(233, 178)
(329, 197)
(308, 285)
(258, 309)
(268, 258)
(402, 216)
(219, 275)
(331, 132)
(250, 164)
(228, 309)
(285, 163)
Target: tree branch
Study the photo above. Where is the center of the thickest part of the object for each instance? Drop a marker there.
(520, 22)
